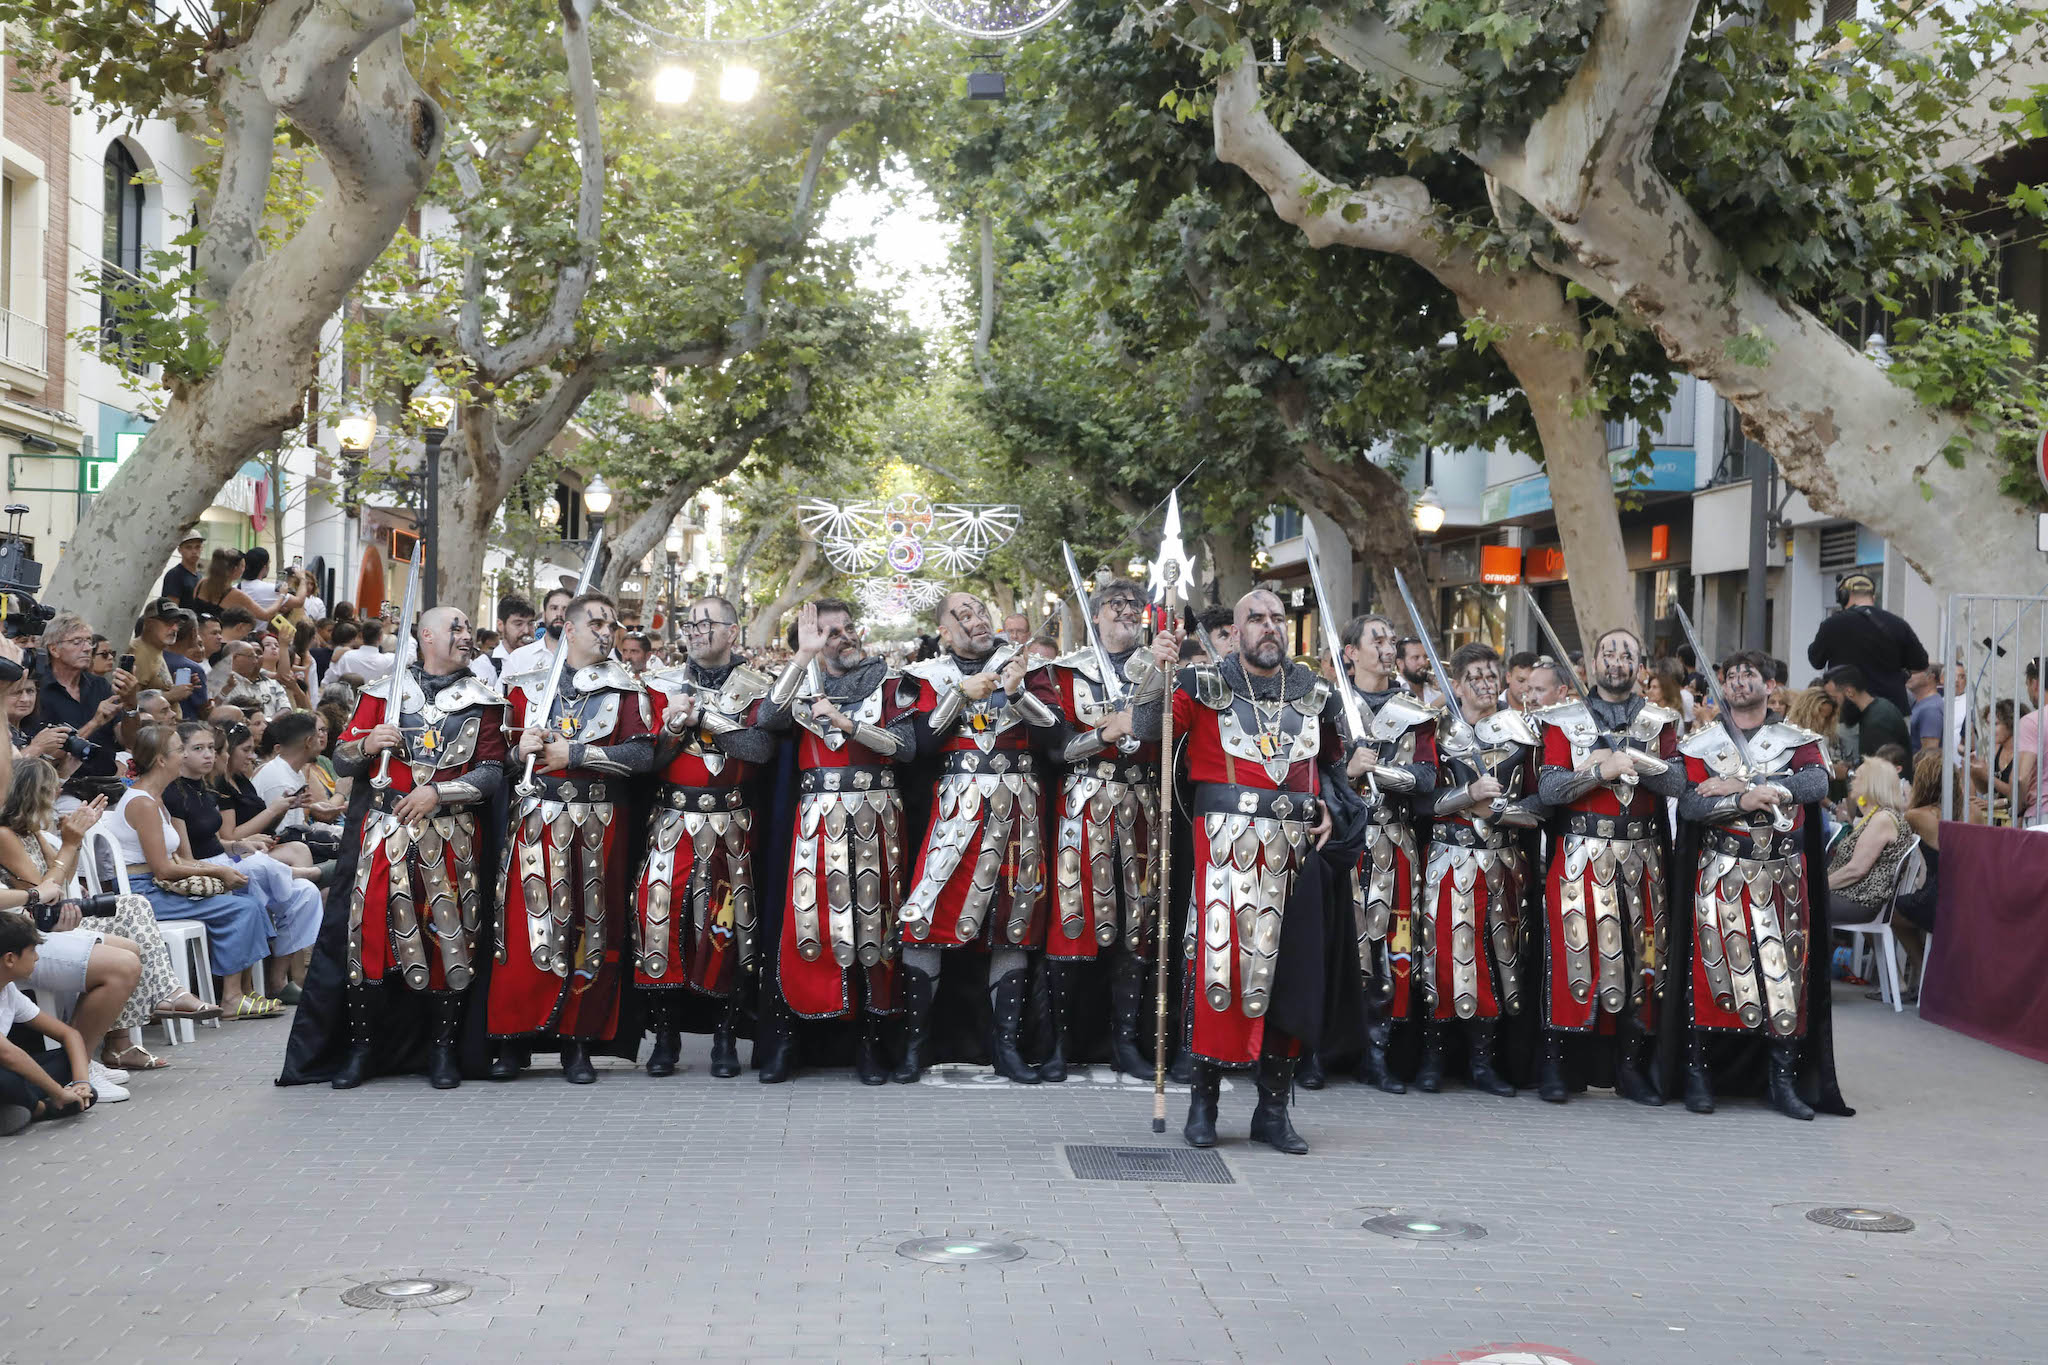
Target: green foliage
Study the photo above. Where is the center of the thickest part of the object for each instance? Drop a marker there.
(1978, 362)
(143, 60)
(159, 321)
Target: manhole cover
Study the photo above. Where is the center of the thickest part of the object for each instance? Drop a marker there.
(419, 1293)
(1861, 1220)
(1180, 1165)
(1421, 1227)
(959, 1250)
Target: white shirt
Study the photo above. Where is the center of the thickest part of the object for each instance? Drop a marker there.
(278, 778)
(125, 837)
(15, 1008)
(366, 661)
(485, 669)
(535, 656)
(264, 595)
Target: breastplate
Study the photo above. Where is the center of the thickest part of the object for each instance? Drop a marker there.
(585, 717)
(867, 711)
(983, 721)
(1277, 739)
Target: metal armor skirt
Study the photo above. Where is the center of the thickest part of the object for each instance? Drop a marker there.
(1382, 901)
(1244, 870)
(1468, 932)
(560, 939)
(1103, 886)
(694, 904)
(981, 872)
(1750, 944)
(1605, 913)
(416, 905)
(845, 882)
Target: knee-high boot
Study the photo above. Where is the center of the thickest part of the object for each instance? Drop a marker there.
(1127, 1002)
(443, 1071)
(771, 1037)
(725, 1042)
(1372, 1063)
(1429, 1075)
(1629, 1081)
(1008, 999)
(1054, 1067)
(1784, 1091)
(917, 989)
(356, 1066)
(1182, 1072)
(668, 1042)
(1551, 1086)
(1479, 1041)
(1270, 1124)
(1205, 1084)
(1699, 1082)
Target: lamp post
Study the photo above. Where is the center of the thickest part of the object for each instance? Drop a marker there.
(434, 406)
(597, 500)
(675, 551)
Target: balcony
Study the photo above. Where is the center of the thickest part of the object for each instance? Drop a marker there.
(23, 344)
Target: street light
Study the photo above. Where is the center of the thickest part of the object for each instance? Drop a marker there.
(550, 514)
(738, 83)
(597, 497)
(1429, 512)
(674, 85)
(1136, 566)
(357, 430)
(434, 408)
(675, 539)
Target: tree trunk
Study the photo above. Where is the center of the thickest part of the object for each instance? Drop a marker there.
(1372, 507)
(379, 137)
(1230, 566)
(646, 531)
(796, 590)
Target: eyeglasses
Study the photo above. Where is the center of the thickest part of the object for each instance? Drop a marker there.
(706, 627)
(101, 653)
(73, 641)
(1124, 606)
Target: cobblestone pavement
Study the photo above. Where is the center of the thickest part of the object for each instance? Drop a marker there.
(218, 1218)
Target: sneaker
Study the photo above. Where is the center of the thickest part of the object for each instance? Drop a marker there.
(14, 1118)
(289, 993)
(110, 1091)
(118, 1075)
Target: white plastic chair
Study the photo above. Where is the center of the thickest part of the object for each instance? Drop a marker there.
(1878, 931)
(185, 938)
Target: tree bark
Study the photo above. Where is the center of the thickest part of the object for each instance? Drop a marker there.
(1542, 344)
(339, 77)
(1230, 566)
(796, 589)
(643, 533)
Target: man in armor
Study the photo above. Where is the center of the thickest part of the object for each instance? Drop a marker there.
(1608, 762)
(1104, 897)
(1400, 741)
(980, 876)
(435, 760)
(1751, 912)
(561, 919)
(1264, 758)
(1469, 917)
(836, 949)
(694, 905)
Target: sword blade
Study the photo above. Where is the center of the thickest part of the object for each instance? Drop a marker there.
(1558, 653)
(1354, 719)
(1111, 682)
(1714, 689)
(1436, 665)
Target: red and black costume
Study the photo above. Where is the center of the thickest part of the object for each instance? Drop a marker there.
(836, 948)
(1605, 895)
(1105, 898)
(694, 907)
(562, 949)
(416, 904)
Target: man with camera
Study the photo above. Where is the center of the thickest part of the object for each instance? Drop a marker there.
(85, 704)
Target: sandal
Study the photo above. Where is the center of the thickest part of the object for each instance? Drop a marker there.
(135, 1057)
(254, 1007)
(198, 1009)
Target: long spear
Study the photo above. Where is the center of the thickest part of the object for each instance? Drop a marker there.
(1169, 580)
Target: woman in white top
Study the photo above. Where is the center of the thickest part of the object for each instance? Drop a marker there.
(237, 929)
(270, 600)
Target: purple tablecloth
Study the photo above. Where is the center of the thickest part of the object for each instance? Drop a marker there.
(1987, 971)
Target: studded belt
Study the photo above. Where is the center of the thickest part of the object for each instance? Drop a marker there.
(854, 778)
(573, 789)
(1757, 846)
(1609, 826)
(1221, 798)
(1110, 771)
(1001, 761)
(1460, 834)
(677, 797)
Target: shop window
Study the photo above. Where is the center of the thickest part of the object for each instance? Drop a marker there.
(120, 238)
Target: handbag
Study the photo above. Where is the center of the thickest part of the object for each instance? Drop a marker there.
(198, 888)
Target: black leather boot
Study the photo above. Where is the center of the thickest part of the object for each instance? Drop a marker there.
(1126, 1004)
(772, 1050)
(1270, 1124)
(1480, 1044)
(1550, 1083)
(1429, 1076)
(1182, 1072)
(576, 1067)
(1308, 1072)
(1008, 998)
(917, 1013)
(725, 1042)
(1054, 1067)
(1699, 1085)
(867, 1052)
(1629, 1081)
(1203, 1089)
(1784, 1091)
(506, 1060)
(1372, 1063)
(443, 1071)
(356, 1065)
(668, 1042)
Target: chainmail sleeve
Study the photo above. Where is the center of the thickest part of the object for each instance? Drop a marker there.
(1808, 784)
(1559, 786)
(748, 743)
(634, 755)
(1670, 782)
(480, 783)
(349, 759)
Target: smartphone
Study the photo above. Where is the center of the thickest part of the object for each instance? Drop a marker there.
(183, 677)
(126, 663)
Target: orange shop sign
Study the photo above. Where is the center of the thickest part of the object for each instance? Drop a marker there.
(1500, 564)
(1546, 564)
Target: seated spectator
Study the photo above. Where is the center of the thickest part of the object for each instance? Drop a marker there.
(248, 687)
(244, 812)
(237, 927)
(1896, 756)
(155, 629)
(39, 1085)
(1877, 720)
(219, 588)
(293, 905)
(235, 626)
(367, 660)
(99, 972)
(34, 740)
(85, 703)
(1864, 861)
(39, 854)
(1813, 709)
(185, 658)
(1913, 919)
(290, 746)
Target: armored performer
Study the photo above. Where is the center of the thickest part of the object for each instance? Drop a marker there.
(1469, 917)
(1608, 762)
(434, 760)
(980, 876)
(1751, 918)
(1265, 761)
(1400, 740)
(694, 906)
(836, 946)
(1104, 898)
(586, 726)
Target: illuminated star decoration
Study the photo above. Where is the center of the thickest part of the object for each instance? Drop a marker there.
(908, 535)
(1173, 570)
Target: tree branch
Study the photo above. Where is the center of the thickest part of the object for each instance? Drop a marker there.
(753, 322)
(234, 218)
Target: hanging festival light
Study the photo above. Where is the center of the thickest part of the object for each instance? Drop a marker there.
(738, 83)
(674, 85)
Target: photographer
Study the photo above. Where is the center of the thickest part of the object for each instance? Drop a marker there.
(186, 660)
(71, 695)
(22, 696)
(36, 1086)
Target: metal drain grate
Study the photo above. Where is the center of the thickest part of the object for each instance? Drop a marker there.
(420, 1293)
(1169, 1165)
(1860, 1220)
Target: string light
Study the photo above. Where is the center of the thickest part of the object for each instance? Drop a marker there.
(738, 83)
(674, 85)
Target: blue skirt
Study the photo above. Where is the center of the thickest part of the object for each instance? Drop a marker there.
(237, 929)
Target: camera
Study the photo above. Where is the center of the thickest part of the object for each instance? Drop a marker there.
(21, 578)
(90, 907)
(80, 749)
